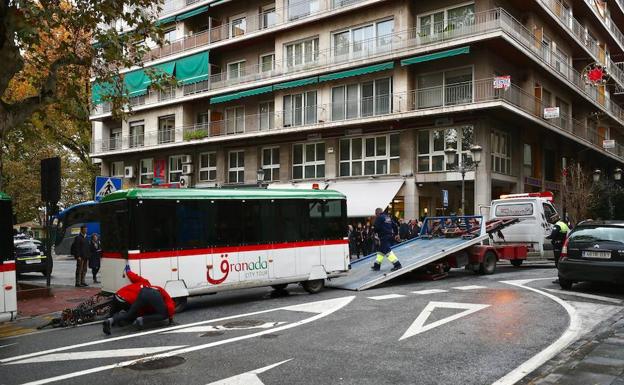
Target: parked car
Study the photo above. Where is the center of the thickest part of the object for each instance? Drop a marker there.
(28, 257)
(593, 251)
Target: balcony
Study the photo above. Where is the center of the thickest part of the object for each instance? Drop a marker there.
(261, 22)
(403, 44)
(601, 12)
(479, 94)
(577, 30)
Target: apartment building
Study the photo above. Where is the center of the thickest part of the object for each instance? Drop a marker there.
(365, 96)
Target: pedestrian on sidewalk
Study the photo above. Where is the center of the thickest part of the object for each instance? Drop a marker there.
(387, 230)
(95, 255)
(139, 303)
(80, 251)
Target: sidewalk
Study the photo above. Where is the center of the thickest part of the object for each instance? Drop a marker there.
(598, 360)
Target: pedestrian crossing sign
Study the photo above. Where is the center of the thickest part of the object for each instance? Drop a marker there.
(105, 185)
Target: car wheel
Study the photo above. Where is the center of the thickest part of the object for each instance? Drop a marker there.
(313, 286)
(516, 262)
(488, 266)
(565, 284)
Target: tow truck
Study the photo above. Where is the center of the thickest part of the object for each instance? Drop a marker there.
(443, 243)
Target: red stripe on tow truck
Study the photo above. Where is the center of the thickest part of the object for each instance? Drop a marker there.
(224, 250)
(7, 267)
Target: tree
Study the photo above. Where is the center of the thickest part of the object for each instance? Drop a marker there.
(45, 47)
(577, 193)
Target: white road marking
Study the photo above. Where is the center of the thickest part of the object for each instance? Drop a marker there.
(430, 291)
(387, 296)
(418, 326)
(582, 321)
(329, 306)
(7, 345)
(469, 287)
(211, 328)
(91, 354)
(585, 295)
(311, 307)
(248, 378)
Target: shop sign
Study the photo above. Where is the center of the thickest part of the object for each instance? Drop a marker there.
(445, 199)
(552, 186)
(532, 181)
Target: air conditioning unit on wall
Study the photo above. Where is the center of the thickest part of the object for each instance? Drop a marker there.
(187, 169)
(128, 172)
(187, 159)
(185, 181)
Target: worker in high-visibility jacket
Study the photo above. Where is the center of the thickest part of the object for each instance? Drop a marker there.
(388, 233)
(558, 236)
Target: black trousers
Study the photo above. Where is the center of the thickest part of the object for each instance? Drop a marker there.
(147, 298)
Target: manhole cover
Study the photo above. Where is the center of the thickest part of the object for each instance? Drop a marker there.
(159, 363)
(243, 324)
(213, 333)
(269, 336)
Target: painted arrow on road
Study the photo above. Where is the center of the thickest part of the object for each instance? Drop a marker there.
(211, 328)
(99, 354)
(418, 326)
(248, 378)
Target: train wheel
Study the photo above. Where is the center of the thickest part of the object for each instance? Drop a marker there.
(313, 286)
(488, 266)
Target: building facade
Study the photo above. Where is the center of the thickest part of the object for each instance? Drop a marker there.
(365, 96)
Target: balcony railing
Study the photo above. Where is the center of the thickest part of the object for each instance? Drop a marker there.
(390, 106)
(263, 21)
(604, 17)
(391, 45)
(584, 39)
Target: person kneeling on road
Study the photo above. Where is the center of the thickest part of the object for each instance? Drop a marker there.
(144, 303)
(388, 235)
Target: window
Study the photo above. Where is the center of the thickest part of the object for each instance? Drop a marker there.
(527, 162)
(146, 171)
(432, 143)
(301, 53)
(207, 166)
(203, 120)
(301, 8)
(362, 41)
(137, 130)
(115, 139)
(117, 169)
(549, 165)
(446, 20)
(501, 152)
(266, 115)
(564, 113)
(170, 35)
(300, 109)
(271, 163)
(236, 170)
(445, 88)
(166, 93)
(562, 62)
(365, 99)
(375, 155)
(166, 126)
(238, 26)
(309, 161)
(236, 70)
(175, 168)
(235, 120)
(267, 62)
(549, 211)
(268, 16)
(513, 209)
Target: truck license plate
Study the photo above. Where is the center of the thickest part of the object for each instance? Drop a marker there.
(31, 261)
(597, 254)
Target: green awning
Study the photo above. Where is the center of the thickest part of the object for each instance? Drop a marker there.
(241, 94)
(192, 13)
(136, 82)
(295, 83)
(100, 90)
(219, 2)
(435, 56)
(166, 68)
(357, 71)
(166, 20)
(192, 69)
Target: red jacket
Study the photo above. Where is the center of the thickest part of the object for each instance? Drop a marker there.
(129, 293)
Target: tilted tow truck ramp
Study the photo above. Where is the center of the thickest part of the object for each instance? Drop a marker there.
(412, 254)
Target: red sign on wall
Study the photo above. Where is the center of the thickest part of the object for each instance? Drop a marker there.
(159, 170)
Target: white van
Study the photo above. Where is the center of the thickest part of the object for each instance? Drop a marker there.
(535, 211)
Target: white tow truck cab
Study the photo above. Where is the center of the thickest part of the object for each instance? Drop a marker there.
(535, 211)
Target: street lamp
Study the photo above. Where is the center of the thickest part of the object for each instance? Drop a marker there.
(596, 175)
(260, 176)
(463, 168)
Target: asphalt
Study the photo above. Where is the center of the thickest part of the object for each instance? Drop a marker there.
(336, 336)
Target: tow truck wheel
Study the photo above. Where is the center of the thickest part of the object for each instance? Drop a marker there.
(516, 262)
(313, 286)
(180, 304)
(488, 266)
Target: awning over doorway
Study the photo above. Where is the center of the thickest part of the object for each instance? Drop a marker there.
(364, 196)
